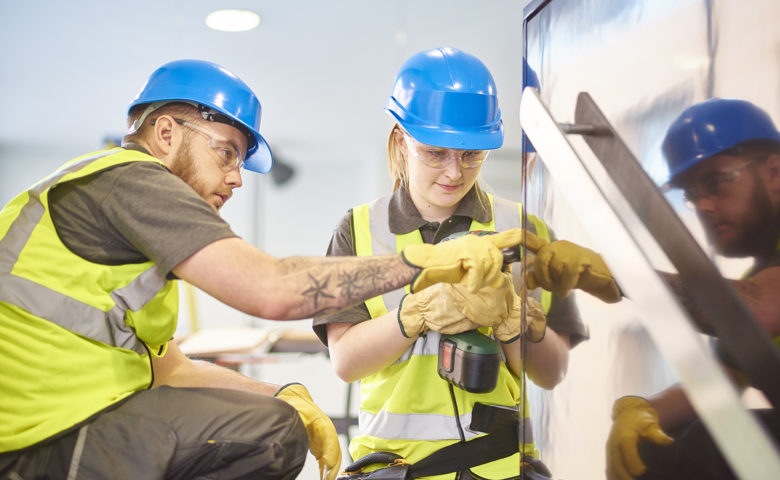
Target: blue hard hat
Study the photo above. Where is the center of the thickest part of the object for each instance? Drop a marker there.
(217, 88)
(712, 126)
(447, 98)
(529, 80)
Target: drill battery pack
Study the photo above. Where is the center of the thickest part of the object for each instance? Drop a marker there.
(470, 361)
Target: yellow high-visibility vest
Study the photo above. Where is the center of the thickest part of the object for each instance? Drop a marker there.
(77, 336)
(406, 408)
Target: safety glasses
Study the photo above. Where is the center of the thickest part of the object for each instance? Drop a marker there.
(437, 157)
(718, 183)
(229, 155)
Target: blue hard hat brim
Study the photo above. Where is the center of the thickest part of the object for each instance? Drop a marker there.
(485, 138)
(260, 159)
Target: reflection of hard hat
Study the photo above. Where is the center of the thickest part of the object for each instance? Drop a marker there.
(529, 80)
(212, 86)
(712, 126)
(447, 98)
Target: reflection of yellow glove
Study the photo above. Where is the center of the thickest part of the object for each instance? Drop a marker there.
(633, 419)
(432, 309)
(562, 265)
(471, 259)
(323, 439)
(532, 326)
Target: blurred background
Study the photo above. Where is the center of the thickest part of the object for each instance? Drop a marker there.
(322, 72)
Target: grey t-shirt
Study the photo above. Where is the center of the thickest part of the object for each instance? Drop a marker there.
(563, 316)
(132, 213)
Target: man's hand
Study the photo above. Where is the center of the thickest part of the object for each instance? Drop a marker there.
(633, 419)
(473, 260)
(323, 439)
(561, 266)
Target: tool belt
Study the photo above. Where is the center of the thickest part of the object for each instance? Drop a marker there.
(500, 424)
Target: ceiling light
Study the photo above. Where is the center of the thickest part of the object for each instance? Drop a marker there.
(232, 20)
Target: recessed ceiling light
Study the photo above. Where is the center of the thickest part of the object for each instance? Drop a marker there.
(233, 20)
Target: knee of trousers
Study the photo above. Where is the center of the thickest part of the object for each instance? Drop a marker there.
(281, 424)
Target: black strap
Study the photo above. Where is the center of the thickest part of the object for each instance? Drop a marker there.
(372, 458)
(502, 441)
(463, 455)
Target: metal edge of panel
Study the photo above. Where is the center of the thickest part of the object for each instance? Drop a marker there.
(735, 325)
(531, 9)
(619, 231)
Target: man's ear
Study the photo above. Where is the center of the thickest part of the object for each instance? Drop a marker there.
(772, 176)
(164, 135)
(773, 162)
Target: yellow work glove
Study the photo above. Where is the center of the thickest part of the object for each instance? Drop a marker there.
(633, 419)
(432, 309)
(561, 265)
(472, 260)
(532, 325)
(323, 438)
(486, 307)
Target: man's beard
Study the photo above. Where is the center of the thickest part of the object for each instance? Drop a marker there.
(184, 167)
(759, 228)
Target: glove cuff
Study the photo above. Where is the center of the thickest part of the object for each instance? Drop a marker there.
(410, 250)
(510, 340)
(629, 402)
(415, 314)
(287, 385)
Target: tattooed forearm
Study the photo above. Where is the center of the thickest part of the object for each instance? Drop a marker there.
(329, 284)
(318, 290)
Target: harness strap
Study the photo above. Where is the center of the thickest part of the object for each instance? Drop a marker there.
(464, 455)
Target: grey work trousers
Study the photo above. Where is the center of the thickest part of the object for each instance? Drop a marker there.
(173, 433)
(694, 454)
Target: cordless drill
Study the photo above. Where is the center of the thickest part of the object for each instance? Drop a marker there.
(470, 360)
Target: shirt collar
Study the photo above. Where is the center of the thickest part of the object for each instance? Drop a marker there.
(404, 216)
(135, 147)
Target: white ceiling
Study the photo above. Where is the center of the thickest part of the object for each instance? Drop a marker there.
(322, 70)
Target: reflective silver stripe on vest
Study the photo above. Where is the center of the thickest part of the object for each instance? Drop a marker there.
(427, 344)
(421, 426)
(74, 315)
(383, 242)
(507, 215)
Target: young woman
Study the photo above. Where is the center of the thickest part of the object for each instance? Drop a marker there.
(447, 120)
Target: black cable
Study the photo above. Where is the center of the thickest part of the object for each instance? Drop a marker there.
(457, 416)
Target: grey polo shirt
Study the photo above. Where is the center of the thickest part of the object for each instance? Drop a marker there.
(132, 213)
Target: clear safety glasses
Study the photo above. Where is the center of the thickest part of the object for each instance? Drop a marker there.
(718, 183)
(437, 157)
(229, 155)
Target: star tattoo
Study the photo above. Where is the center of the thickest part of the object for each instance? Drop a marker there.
(317, 291)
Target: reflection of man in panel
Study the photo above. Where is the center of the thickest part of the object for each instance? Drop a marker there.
(725, 155)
